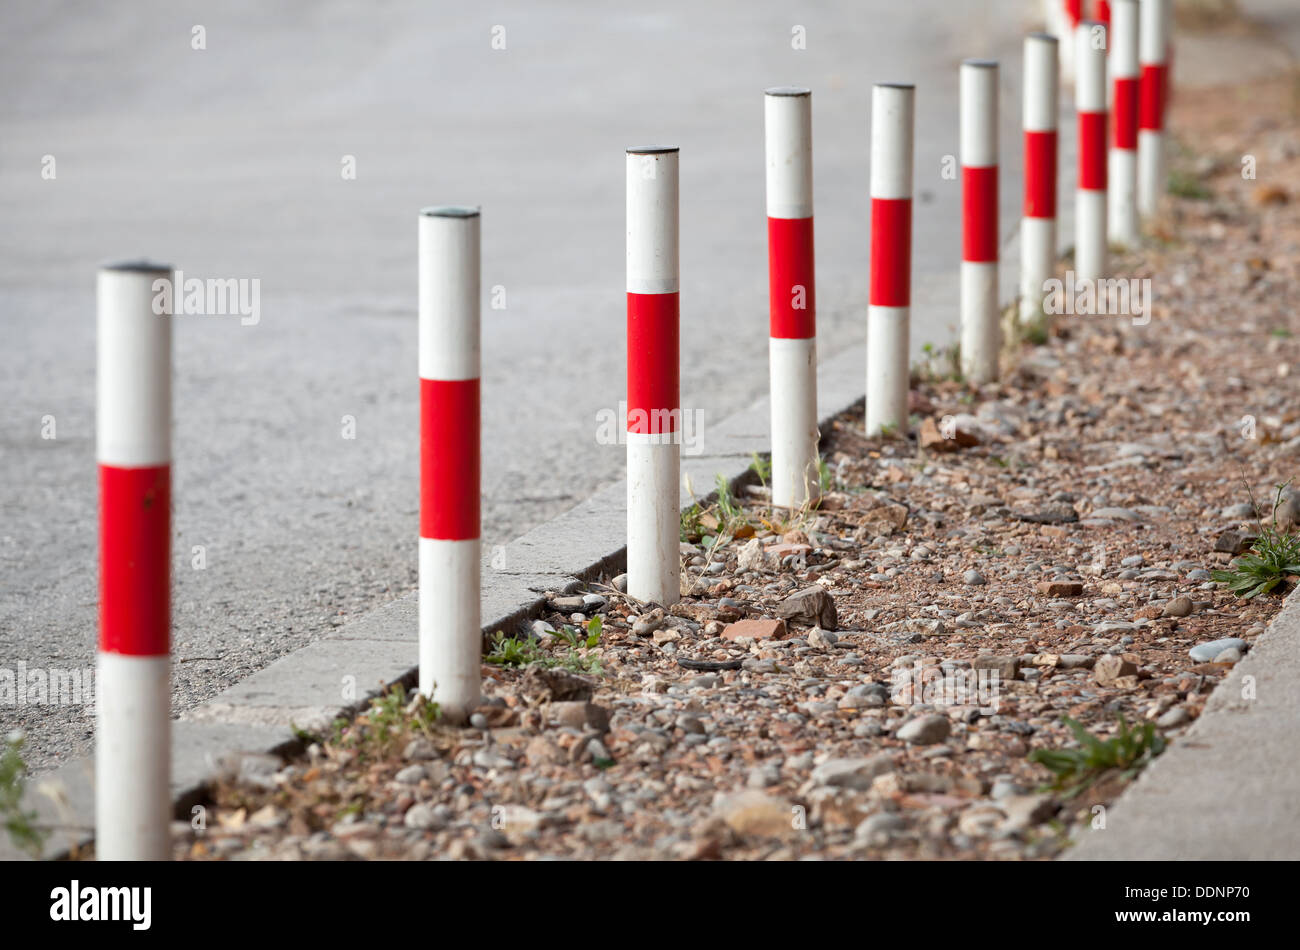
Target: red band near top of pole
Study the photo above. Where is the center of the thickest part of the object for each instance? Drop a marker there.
(791, 278)
(980, 214)
(652, 363)
(1092, 151)
(1040, 174)
(1102, 12)
(1153, 87)
(449, 459)
(135, 560)
(1073, 11)
(891, 252)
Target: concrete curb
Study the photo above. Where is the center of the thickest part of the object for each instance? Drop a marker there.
(1229, 788)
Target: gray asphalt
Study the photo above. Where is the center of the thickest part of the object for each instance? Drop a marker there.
(226, 162)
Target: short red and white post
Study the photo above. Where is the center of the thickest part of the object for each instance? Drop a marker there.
(133, 690)
(1038, 223)
(1063, 20)
(889, 315)
(1153, 92)
(1122, 186)
(981, 332)
(1090, 233)
(653, 410)
(792, 347)
(450, 625)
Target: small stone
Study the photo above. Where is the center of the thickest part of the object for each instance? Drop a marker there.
(812, 606)
(1005, 666)
(819, 639)
(1236, 512)
(879, 828)
(422, 817)
(419, 749)
(1178, 607)
(752, 556)
(568, 605)
(580, 715)
(754, 812)
(925, 730)
(1060, 588)
(1235, 542)
(1178, 716)
(648, 622)
(1116, 514)
(478, 721)
(1206, 652)
(1136, 560)
(762, 629)
(974, 578)
(855, 773)
(1230, 655)
(411, 775)
(619, 583)
(1110, 668)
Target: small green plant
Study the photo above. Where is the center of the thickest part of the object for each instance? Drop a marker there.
(692, 526)
(730, 514)
(1185, 185)
(762, 468)
(20, 824)
(509, 651)
(825, 479)
(1273, 558)
(1282, 333)
(1124, 755)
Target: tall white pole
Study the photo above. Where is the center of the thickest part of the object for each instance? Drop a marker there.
(1153, 49)
(981, 333)
(1090, 241)
(450, 626)
(792, 345)
(1038, 225)
(133, 692)
(1122, 186)
(889, 315)
(654, 413)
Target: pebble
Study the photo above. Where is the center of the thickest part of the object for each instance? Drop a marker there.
(1207, 652)
(1178, 607)
(974, 578)
(925, 730)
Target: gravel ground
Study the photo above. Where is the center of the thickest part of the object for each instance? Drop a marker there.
(1062, 540)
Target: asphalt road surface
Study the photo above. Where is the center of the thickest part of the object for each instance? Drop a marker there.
(228, 162)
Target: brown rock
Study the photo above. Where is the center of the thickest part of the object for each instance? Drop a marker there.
(1005, 666)
(761, 629)
(1110, 668)
(580, 715)
(812, 606)
(931, 438)
(1061, 588)
(1235, 542)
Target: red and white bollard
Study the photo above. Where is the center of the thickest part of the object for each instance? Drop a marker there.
(450, 634)
(1122, 39)
(792, 347)
(1090, 247)
(981, 333)
(1038, 225)
(889, 314)
(1153, 47)
(1063, 21)
(653, 411)
(133, 693)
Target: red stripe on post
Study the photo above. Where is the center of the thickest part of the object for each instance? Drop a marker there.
(891, 252)
(652, 363)
(449, 459)
(1153, 88)
(1092, 151)
(1074, 11)
(135, 560)
(1124, 124)
(1103, 13)
(1040, 174)
(979, 198)
(789, 267)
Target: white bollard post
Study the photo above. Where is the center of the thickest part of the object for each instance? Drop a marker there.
(450, 626)
(653, 411)
(1153, 47)
(889, 314)
(1122, 186)
(1090, 234)
(981, 332)
(1038, 225)
(133, 693)
(792, 346)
